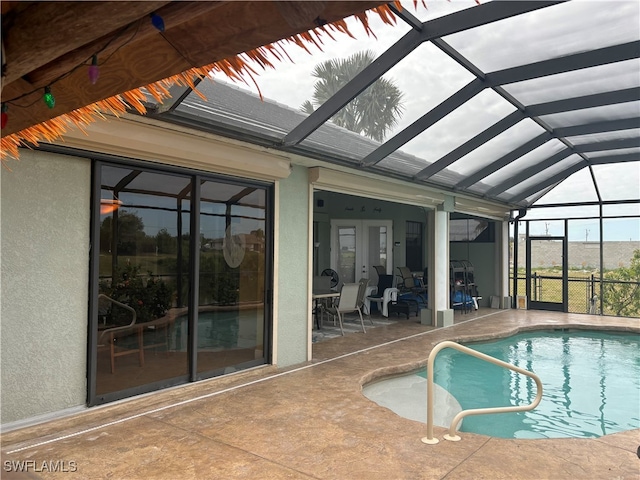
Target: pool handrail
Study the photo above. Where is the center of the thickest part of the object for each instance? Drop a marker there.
(451, 436)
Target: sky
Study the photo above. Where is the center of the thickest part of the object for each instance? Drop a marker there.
(427, 77)
(408, 76)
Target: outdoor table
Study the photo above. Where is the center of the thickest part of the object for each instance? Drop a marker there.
(318, 295)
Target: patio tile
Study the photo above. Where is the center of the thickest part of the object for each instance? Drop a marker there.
(312, 421)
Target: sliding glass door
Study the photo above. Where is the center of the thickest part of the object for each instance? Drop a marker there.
(170, 306)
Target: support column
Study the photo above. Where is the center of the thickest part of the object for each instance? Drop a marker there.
(502, 255)
(438, 233)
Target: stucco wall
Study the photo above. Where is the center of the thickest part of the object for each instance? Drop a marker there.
(44, 259)
(292, 268)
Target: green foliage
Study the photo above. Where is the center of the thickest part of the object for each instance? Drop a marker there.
(624, 298)
(219, 284)
(372, 113)
(132, 239)
(150, 297)
(166, 244)
(130, 233)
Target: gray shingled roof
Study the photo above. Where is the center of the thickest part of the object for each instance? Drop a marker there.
(234, 111)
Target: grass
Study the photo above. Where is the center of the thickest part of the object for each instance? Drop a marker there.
(162, 264)
(547, 287)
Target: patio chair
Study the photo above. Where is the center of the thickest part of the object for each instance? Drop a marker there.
(380, 270)
(362, 293)
(347, 303)
(321, 284)
(389, 295)
(384, 282)
(408, 283)
(335, 278)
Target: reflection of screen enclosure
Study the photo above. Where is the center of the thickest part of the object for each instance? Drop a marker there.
(144, 263)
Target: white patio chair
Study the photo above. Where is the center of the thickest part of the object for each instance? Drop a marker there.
(363, 304)
(347, 303)
(389, 295)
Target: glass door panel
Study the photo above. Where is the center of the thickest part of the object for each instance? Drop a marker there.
(231, 298)
(143, 257)
(358, 245)
(377, 253)
(347, 238)
(148, 331)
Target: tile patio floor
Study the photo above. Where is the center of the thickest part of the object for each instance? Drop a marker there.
(312, 422)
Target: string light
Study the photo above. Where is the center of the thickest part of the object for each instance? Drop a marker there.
(157, 21)
(4, 116)
(48, 97)
(94, 71)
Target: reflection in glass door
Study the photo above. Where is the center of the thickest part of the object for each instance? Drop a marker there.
(160, 314)
(232, 277)
(142, 278)
(358, 245)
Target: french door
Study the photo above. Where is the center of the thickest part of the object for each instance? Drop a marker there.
(358, 245)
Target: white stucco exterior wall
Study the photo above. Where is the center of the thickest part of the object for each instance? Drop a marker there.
(44, 269)
(293, 249)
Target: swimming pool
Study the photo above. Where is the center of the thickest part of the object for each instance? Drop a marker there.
(591, 383)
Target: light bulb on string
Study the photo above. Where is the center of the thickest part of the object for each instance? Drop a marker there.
(157, 21)
(94, 71)
(48, 97)
(4, 116)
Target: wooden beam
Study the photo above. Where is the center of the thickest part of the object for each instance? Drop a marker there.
(229, 29)
(174, 14)
(47, 30)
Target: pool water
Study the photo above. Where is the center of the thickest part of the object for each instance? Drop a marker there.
(220, 330)
(591, 384)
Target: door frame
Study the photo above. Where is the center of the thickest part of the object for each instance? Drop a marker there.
(362, 236)
(562, 306)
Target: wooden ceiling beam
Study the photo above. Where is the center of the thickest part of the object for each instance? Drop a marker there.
(203, 33)
(47, 30)
(173, 14)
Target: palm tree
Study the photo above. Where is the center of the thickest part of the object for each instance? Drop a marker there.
(373, 113)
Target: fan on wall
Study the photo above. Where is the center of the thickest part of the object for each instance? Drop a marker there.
(333, 274)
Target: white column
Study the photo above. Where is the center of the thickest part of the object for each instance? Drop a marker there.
(438, 233)
(502, 263)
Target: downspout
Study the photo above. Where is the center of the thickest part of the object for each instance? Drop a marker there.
(521, 213)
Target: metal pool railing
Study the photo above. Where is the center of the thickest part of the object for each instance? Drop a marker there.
(451, 436)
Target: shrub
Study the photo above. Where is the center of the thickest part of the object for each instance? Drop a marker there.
(149, 296)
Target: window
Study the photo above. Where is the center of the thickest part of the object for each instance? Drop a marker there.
(414, 246)
(471, 230)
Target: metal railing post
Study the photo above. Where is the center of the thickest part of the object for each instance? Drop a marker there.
(429, 439)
